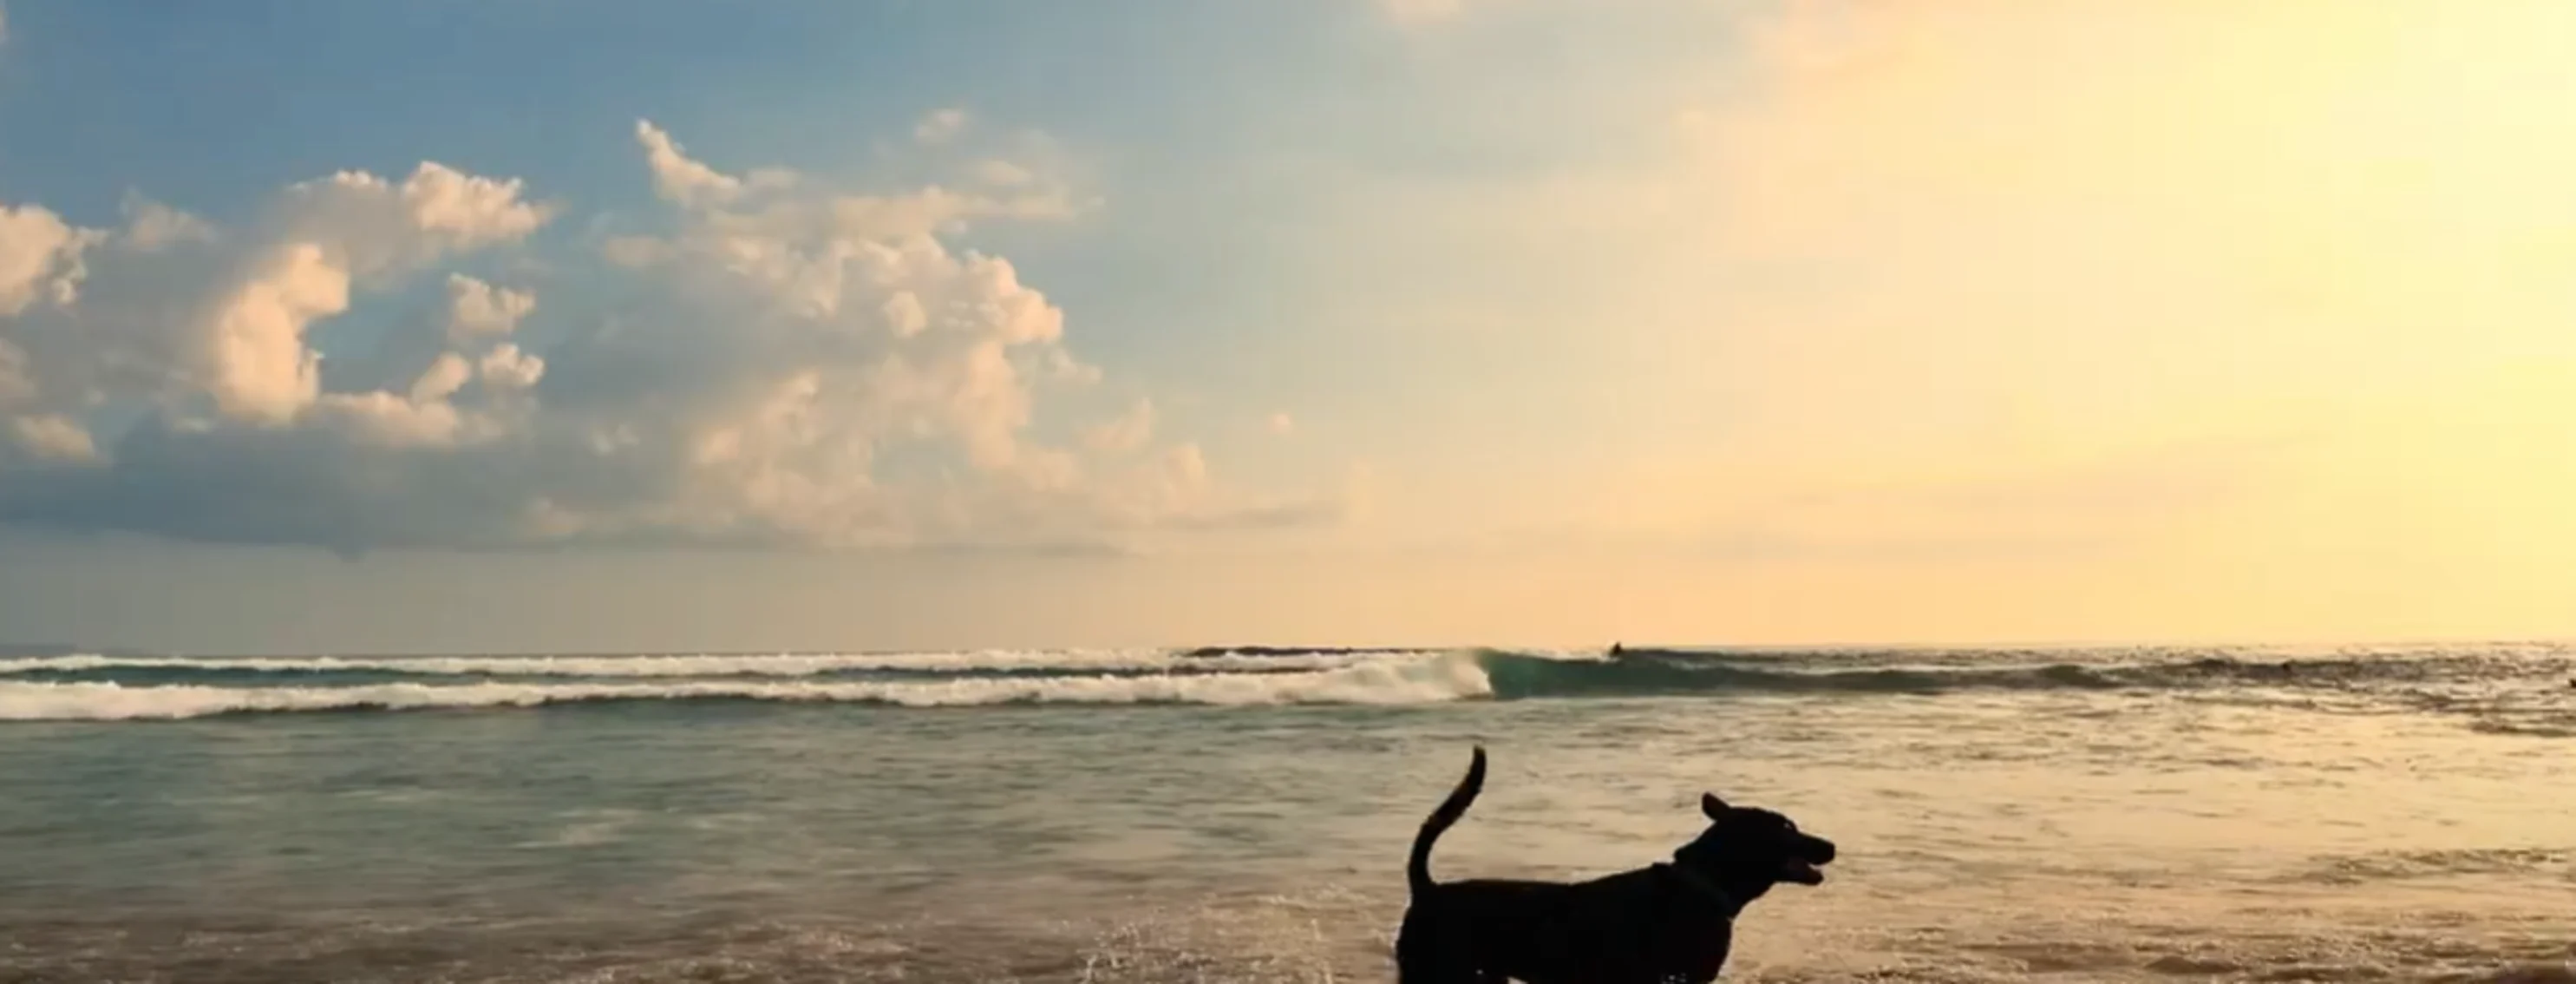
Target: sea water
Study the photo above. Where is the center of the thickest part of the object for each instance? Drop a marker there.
(2358, 814)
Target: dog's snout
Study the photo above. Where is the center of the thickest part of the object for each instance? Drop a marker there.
(1821, 851)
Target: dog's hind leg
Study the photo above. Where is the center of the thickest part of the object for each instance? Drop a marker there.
(1425, 955)
(1440, 970)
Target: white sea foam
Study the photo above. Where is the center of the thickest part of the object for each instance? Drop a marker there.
(1415, 680)
(778, 665)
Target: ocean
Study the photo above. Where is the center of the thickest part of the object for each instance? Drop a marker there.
(2380, 814)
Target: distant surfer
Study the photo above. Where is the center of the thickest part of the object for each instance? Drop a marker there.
(1615, 651)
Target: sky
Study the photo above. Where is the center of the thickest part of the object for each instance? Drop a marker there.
(473, 325)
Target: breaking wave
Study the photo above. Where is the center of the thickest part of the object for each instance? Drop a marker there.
(988, 662)
(1418, 681)
(97, 687)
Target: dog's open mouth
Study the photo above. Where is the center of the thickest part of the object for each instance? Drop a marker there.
(1799, 871)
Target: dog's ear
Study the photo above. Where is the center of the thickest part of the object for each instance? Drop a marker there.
(1715, 808)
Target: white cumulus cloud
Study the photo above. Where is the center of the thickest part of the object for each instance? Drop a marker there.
(478, 310)
(40, 258)
(678, 177)
(788, 365)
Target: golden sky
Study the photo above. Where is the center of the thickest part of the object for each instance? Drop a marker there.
(1457, 321)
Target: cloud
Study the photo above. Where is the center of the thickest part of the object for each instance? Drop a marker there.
(40, 258)
(480, 310)
(1126, 432)
(1417, 13)
(940, 126)
(678, 177)
(54, 438)
(150, 225)
(799, 367)
(1002, 174)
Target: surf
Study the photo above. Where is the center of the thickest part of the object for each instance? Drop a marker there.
(100, 687)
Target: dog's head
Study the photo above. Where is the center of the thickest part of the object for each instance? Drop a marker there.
(1748, 849)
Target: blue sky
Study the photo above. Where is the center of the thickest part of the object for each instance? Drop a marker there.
(865, 324)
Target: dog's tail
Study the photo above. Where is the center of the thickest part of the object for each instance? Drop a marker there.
(1418, 870)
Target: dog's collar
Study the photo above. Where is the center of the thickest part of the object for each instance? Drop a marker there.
(1707, 889)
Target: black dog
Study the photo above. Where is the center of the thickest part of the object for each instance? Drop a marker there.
(1665, 923)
